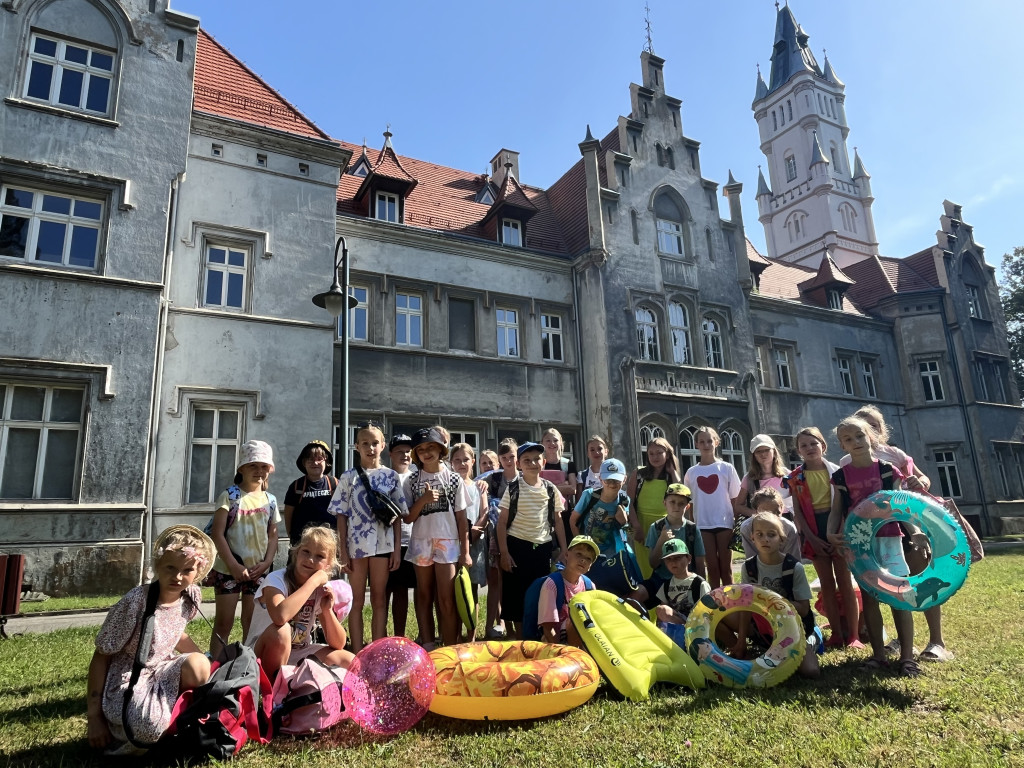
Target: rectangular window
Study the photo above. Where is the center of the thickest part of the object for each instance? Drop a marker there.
(217, 150)
(762, 366)
(408, 320)
(303, 169)
(782, 369)
(70, 75)
(358, 316)
(979, 372)
(790, 168)
(225, 276)
(835, 299)
(471, 439)
(845, 376)
(551, 338)
(462, 324)
(508, 332)
(867, 370)
(1004, 482)
(261, 160)
(40, 439)
(949, 477)
(387, 207)
(1000, 387)
(931, 381)
(1020, 470)
(973, 301)
(50, 228)
(670, 237)
(213, 450)
(511, 232)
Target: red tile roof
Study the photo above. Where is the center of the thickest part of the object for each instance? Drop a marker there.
(224, 86)
(828, 274)
(781, 280)
(445, 199)
(568, 196)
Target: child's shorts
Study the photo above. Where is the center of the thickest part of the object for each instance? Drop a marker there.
(404, 577)
(424, 552)
(298, 654)
(225, 584)
(890, 555)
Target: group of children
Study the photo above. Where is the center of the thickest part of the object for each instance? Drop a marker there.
(412, 524)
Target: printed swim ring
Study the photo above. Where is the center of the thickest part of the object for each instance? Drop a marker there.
(778, 662)
(947, 569)
(465, 603)
(517, 680)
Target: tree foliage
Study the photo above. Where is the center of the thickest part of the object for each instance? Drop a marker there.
(1011, 296)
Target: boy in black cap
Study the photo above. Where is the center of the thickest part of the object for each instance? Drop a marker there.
(404, 579)
(306, 500)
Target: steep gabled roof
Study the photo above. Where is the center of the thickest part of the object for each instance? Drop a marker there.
(224, 86)
(387, 172)
(791, 53)
(444, 199)
(782, 280)
(828, 274)
(568, 196)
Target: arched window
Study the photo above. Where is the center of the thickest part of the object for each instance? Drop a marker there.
(688, 453)
(974, 288)
(790, 161)
(648, 432)
(733, 451)
(670, 222)
(795, 225)
(647, 335)
(671, 157)
(660, 151)
(679, 323)
(849, 217)
(713, 343)
(837, 167)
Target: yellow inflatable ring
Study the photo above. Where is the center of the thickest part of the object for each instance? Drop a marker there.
(516, 680)
(778, 662)
(465, 603)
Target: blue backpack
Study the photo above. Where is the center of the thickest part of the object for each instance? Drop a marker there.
(531, 627)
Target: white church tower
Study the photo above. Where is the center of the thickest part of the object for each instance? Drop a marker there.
(818, 203)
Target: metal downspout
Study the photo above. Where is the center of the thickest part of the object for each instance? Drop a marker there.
(579, 362)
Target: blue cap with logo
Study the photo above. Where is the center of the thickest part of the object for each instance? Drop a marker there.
(613, 469)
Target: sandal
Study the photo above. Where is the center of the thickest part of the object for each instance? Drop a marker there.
(936, 652)
(909, 668)
(873, 666)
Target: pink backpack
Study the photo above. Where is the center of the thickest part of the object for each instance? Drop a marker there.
(307, 697)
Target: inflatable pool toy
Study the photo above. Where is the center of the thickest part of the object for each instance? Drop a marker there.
(465, 603)
(511, 680)
(778, 662)
(628, 647)
(950, 560)
(389, 686)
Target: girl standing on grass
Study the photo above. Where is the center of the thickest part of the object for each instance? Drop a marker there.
(462, 459)
(766, 471)
(714, 484)
(182, 556)
(440, 534)
(597, 452)
(290, 601)
(560, 471)
(810, 485)
(244, 531)
(368, 549)
(865, 475)
(646, 488)
(306, 501)
(496, 485)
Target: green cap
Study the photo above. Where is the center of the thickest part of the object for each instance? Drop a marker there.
(674, 547)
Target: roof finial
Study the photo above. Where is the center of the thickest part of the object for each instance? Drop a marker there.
(649, 45)
(777, 6)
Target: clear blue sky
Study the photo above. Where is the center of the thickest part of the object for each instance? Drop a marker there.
(933, 87)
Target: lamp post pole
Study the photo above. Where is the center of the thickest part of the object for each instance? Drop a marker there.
(337, 301)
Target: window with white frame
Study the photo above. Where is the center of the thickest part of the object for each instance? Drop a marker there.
(949, 477)
(50, 228)
(508, 332)
(688, 452)
(41, 426)
(790, 167)
(472, 439)
(1004, 481)
(408, 320)
(387, 206)
(225, 276)
(931, 381)
(215, 435)
(713, 353)
(648, 432)
(867, 375)
(733, 450)
(511, 232)
(647, 334)
(782, 368)
(551, 338)
(845, 374)
(71, 75)
(679, 325)
(998, 380)
(979, 373)
(762, 365)
(835, 298)
(358, 316)
(670, 220)
(974, 301)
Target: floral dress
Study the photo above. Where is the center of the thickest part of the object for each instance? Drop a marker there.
(149, 713)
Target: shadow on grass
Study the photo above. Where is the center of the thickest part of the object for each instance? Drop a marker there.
(68, 753)
(70, 706)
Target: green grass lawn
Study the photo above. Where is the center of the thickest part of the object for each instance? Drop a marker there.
(967, 713)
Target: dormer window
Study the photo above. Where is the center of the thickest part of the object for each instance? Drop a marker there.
(511, 232)
(387, 206)
(360, 170)
(835, 299)
(486, 196)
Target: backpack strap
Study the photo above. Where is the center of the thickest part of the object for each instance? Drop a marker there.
(300, 491)
(839, 481)
(146, 632)
(695, 586)
(788, 566)
(750, 565)
(592, 501)
(636, 494)
(513, 500)
(885, 473)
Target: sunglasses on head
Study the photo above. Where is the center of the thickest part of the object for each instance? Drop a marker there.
(369, 424)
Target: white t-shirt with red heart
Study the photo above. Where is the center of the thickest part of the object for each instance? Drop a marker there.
(713, 486)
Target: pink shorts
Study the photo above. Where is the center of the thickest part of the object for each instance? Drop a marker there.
(424, 552)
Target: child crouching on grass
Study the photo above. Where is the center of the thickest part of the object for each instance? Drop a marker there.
(554, 620)
(182, 556)
(770, 500)
(290, 600)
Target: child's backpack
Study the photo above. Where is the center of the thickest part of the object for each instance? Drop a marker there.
(234, 497)
(307, 697)
(595, 497)
(788, 566)
(216, 719)
(531, 627)
(513, 502)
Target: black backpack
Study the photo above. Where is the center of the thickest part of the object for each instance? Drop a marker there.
(513, 502)
(788, 566)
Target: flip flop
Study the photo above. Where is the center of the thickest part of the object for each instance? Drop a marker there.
(909, 668)
(873, 666)
(937, 653)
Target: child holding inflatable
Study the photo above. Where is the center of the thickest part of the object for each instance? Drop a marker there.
(554, 620)
(864, 475)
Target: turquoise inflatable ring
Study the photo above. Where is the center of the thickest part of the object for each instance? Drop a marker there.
(778, 662)
(950, 560)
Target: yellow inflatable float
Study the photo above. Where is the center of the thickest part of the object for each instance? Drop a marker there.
(465, 603)
(512, 680)
(628, 647)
